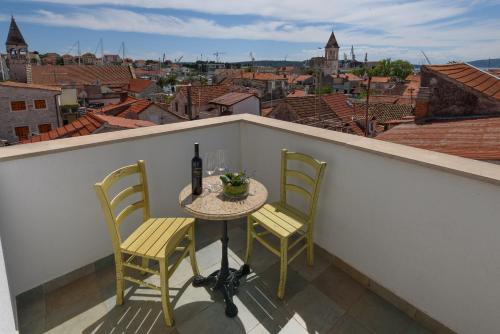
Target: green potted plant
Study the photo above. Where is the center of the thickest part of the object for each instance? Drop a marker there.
(235, 185)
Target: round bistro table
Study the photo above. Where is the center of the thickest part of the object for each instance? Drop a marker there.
(216, 206)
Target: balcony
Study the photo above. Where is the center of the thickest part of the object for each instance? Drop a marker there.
(407, 239)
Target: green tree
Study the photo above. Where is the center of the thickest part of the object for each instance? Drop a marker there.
(172, 80)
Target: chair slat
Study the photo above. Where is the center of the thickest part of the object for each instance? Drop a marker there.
(169, 233)
(138, 233)
(274, 227)
(304, 158)
(294, 223)
(124, 194)
(299, 190)
(118, 174)
(301, 176)
(128, 210)
(154, 236)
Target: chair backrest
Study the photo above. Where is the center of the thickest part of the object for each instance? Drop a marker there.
(289, 178)
(110, 205)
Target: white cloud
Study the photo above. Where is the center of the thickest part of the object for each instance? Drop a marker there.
(378, 27)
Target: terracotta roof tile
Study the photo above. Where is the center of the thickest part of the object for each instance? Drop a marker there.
(232, 98)
(472, 138)
(29, 86)
(57, 75)
(139, 85)
(87, 125)
(123, 109)
(202, 95)
(480, 81)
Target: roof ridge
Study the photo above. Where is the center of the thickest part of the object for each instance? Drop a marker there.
(483, 71)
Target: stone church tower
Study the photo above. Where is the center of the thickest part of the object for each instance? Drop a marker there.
(17, 53)
(331, 64)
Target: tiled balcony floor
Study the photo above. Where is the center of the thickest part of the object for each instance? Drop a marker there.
(321, 299)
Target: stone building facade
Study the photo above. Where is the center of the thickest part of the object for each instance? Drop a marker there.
(26, 110)
(447, 97)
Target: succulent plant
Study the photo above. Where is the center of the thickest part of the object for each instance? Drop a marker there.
(234, 179)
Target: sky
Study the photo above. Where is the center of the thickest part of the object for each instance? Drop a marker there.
(286, 29)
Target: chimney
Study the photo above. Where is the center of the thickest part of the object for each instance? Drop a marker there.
(422, 104)
(189, 103)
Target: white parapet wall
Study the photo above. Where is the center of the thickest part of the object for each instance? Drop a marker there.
(424, 225)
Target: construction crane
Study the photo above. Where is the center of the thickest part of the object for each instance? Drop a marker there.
(252, 58)
(217, 54)
(426, 58)
(178, 59)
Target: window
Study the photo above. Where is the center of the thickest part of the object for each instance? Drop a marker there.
(22, 132)
(44, 128)
(40, 104)
(176, 107)
(185, 110)
(18, 105)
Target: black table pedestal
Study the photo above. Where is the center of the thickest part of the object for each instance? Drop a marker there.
(226, 280)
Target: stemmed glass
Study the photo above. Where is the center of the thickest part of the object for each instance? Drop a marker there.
(210, 168)
(221, 161)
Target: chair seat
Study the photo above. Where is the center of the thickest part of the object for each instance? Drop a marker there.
(156, 234)
(279, 220)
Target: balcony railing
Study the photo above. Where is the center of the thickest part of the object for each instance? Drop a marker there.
(424, 225)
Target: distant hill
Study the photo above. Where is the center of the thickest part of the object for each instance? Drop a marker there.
(485, 63)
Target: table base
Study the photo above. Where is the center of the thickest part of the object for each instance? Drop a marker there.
(226, 280)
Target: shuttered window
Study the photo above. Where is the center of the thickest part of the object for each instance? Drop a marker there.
(40, 104)
(18, 105)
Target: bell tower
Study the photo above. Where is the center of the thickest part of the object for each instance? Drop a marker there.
(331, 65)
(17, 53)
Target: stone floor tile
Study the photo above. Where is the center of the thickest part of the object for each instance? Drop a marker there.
(348, 325)
(31, 311)
(80, 322)
(294, 283)
(314, 311)
(378, 315)
(261, 258)
(211, 320)
(257, 305)
(416, 328)
(339, 287)
(321, 262)
(70, 300)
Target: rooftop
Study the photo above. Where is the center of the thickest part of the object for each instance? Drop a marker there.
(129, 105)
(479, 81)
(139, 85)
(57, 75)
(232, 98)
(91, 123)
(469, 138)
(15, 84)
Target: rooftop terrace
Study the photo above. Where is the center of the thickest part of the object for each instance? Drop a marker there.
(407, 238)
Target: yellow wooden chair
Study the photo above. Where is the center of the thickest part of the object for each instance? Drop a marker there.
(283, 220)
(155, 239)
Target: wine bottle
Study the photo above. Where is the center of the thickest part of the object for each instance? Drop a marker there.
(196, 171)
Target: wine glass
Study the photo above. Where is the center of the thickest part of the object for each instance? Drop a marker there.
(221, 161)
(210, 168)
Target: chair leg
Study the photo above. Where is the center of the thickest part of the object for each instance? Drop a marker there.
(144, 264)
(119, 279)
(249, 240)
(283, 267)
(310, 249)
(165, 297)
(192, 251)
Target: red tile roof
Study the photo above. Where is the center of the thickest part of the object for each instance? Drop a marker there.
(57, 75)
(139, 85)
(298, 78)
(339, 104)
(328, 111)
(298, 93)
(482, 82)
(495, 71)
(202, 95)
(124, 108)
(30, 86)
(413, 85)
(87, 125)
(261, 76)
(230, 99)
(473, 138)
